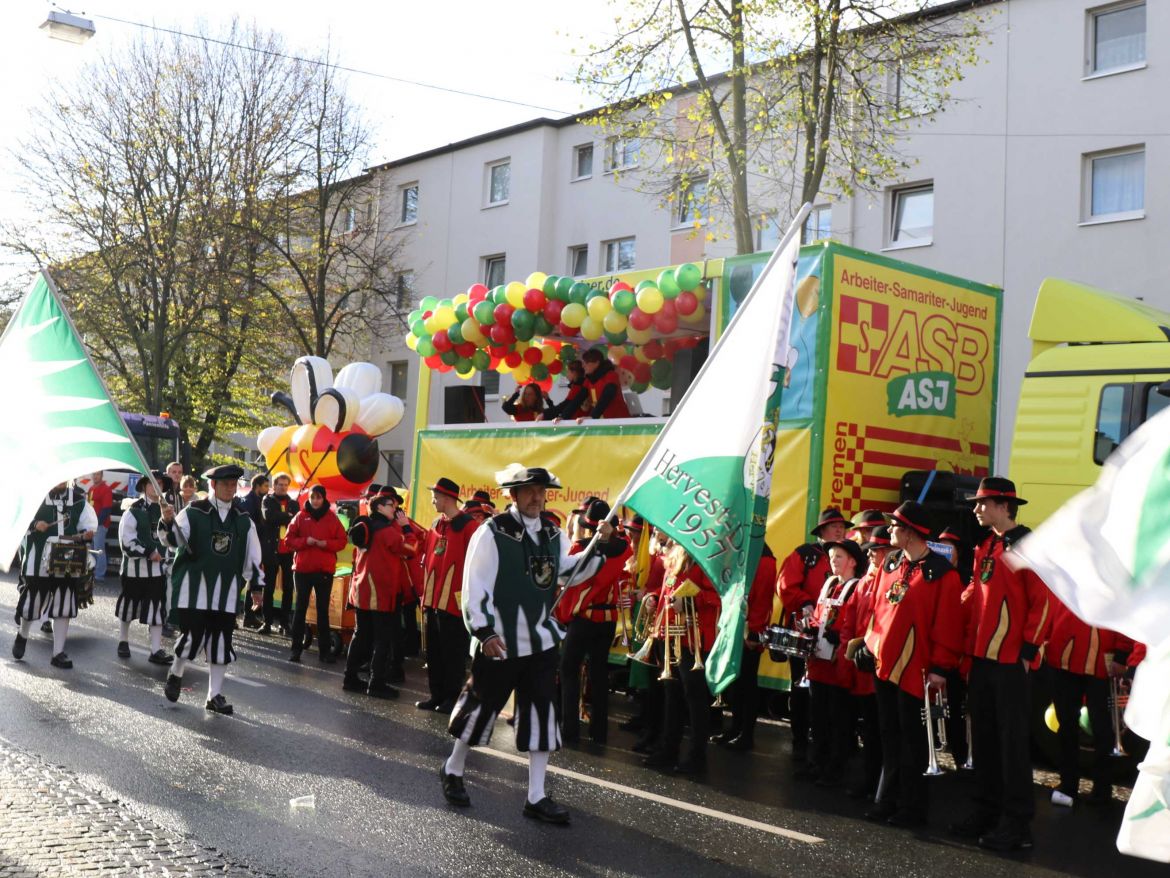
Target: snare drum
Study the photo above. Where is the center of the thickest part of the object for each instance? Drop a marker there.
(68, 558)
(785, 642)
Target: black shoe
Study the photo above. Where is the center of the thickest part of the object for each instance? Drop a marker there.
(60, 660)
(446, 707)
(690, 766)
(633, 724)
(906, 820)
(547, 810)
(354, 684)
(253, 624)
(173, 688)
(160, 657)
(861, 792)
(453, 790)
(657, 760)
(295, 658)
(431, 704)
(47, 626)
(326, 658)
(397, 675)
(880, 813)
(740, 744)
(123, 649)
(18, 647)
(972, 827)
(266, 628)
(723, 738)
(219, 704)
(645, 745)
(381, 690)
(1006, 839)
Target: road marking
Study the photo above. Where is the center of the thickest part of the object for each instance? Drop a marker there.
(665, 800)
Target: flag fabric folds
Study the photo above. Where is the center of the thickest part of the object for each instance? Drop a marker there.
(707, 480)
(1106, 555)
(58, 420)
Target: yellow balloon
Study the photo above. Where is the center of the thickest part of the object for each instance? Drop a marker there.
(514, 293)
(591, 329)
(535, 281)
(548, 354)
(650, 300)
(471, 331)
(598, 307)
(503, 368)
(1050, 719)
(639, 336)
(460, 299)
(412, 341)
(446, 318)
(522, 346)
(573, 315)
(615, 322)
(615, 352)
(522, 373)
(699, 316)
(431, 324)
(700, 293)
(640, 353)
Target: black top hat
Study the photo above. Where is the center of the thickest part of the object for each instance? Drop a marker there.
(997, 488)
(165, 483)
(517, 476)
(230, 472)
(855, 552)
(446, 486)
(914, 516)
(869, 518)
(595, 513)
(830, 515)
(879, 538)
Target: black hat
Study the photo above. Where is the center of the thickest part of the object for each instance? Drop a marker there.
(997, 488)
(554, 516)
(448, 487)
(584, 507)
(854, 551)
(482, 496)
(635, 525)
(595, 513)
(830, 515)
(879, 538)
(950, 535)
(228, 472)
(517, 476)
(385, 493)
(373, 490)
(318, 489)
(165, 483)
(914, 516)
(869, 518)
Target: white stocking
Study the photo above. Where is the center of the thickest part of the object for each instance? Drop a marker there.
(537, 766)
(179, 665)
(215, 675)
(25, 627)
(125, 632)
(457, 758)
(60, 630)
(155, 638)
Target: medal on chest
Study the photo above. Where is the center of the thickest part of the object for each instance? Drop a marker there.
(542, 570)
(897, 591)
(221, 542)
(987, 569)
(440, 546)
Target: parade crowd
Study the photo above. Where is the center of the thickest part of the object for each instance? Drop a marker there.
(874, 621)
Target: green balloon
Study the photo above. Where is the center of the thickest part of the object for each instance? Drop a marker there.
(564, 284)
(624, 302)
(615, 337)
(539, 371)
(446, 303)
(418, 327)
(461, 312)
(463, 365)
(639, 387)
(482, 360)
(688, 276)
(550, 285)
(541, 326)
(499, 295)
(484, 313)
(455, 333)
(645, 285)
(661, 373)
(579, 293)
(416, 314)
(524, 334)
(523, 321)
(428, 303)
(568, 354)
(667, 284)
(425, 347)
(449, 357)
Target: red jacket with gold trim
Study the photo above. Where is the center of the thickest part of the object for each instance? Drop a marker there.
(381, 578)
(443, 556)
(1008, 609)
(707, 603)
(761, 597)
(1079, 648)
(917, 620)
(856, 623)
(596, 598)
(802, 574)
(832, 617)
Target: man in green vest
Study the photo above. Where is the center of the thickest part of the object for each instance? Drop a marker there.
(218, 551)
(65, 516)
(513, 565)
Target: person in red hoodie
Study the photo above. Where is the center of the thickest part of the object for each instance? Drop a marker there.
(916, 636)
(589, 612)
(604, 386)
(315, 536)
(379, 588)
(744, 693)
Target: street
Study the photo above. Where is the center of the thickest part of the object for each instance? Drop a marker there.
(225, 783)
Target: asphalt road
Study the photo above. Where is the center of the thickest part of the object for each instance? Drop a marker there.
(372, 767)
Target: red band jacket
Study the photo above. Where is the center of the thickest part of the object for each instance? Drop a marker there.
(832, 617)
(802, 574)
(760, 598)
(1079, 648)
(917, 620)
(1007, 609)
(596, 599)
(381, 578)
(707, 603)
(605, 393)
(443, 555)
(855, 622)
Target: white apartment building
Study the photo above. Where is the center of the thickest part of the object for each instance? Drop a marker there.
(1052, 161)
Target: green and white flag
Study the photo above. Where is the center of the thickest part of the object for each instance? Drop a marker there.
(707, 480)
(1106, 555)
(58, 420)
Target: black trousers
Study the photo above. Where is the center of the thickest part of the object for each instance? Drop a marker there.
(447, 646)
(832, 728)
(999, 696)
(372, 638)
(534, 680)
(307, 584)
(687, 690)
(956, 722)
(281, 561)
(798, 708)
(744, 695)
(904, 754)
(865, 708)
(586, 643)
(1068, 690)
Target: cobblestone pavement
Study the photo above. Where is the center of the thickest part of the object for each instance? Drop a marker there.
(52, 825)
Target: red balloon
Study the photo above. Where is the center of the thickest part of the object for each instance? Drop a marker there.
(532, 356)
(618, 286)
(629, 362)
(503, 334)
(427, 314)
(567, 331)
(672, 347)
(640, 320)
(642, 373)
(441, 342)
(466, 349)
(685, 304)
(545, 385)
(552, 311)
(503, 313)
(665, 323)
(534, 300)
(433, 361)
(653, 349)
(476, 292)
(443, 367)
(668, 307)
(513, 360)
(498, 352)
(554, 368)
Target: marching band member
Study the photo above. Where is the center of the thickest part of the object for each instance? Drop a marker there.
(1009, 617)
(916, 635)
(589, 612)
(653, 697)
(957, 706)
(218, 552)
(513, 565)
(65, 513)
(802, 574)
(444, 554)
(863, 524)
(144, 585)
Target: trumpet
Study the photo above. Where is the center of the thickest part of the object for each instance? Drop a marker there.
(1118, 699)
(670, 625)
(625, 610)
(934, 714)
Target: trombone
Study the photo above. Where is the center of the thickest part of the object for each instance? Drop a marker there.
(934, 714)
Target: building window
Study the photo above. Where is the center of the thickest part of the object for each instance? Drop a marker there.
(621, 153)
(400, 379)
(404, 290)
(915, 88)
(912, 216)
(395, 463)
(1116, 37)
(350, 219)
(409, 204)
(583, 161)
(692, 202)
(493, 270)
(579, 260)
(619, 255)
(490, 382)
(499, 182)
(818, 225)
(1115, 184)
(768, 232)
